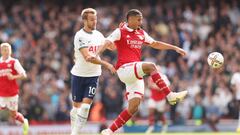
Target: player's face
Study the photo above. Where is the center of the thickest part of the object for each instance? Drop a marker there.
(5, 51)
(91, 21)
(135, 21)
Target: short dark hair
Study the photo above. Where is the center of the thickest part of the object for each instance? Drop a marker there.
(133, 12)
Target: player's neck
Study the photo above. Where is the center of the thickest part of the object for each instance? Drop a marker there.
(87, 30)
(5, 57)
(132, 27)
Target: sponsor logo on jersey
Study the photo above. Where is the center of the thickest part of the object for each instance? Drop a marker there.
(135, 43)
(4, 72)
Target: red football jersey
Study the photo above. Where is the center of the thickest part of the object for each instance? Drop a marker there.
(8, 87)
(129, 44)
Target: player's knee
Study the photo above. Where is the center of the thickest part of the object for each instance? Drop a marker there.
(133, 108)
(84, 109)
(13, 114)
(149, 68)
(76, 104)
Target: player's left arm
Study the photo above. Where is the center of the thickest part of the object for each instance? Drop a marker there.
(162, 45)
(165, 46)
(21, 72)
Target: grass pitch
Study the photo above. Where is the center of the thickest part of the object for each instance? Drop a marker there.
(187, 133)
(224, 133)
(227, 133)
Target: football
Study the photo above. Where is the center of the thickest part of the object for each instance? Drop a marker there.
(215, 60)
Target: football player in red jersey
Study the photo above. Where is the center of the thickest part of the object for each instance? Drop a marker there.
(156, 105)
(10, 71)
(129, 39)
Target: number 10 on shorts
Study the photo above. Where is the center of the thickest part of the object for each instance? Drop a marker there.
(92, 91)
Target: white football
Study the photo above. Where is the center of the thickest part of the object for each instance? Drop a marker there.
(215, 60)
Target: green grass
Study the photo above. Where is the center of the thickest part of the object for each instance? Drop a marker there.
(224, 133)
(191, 133)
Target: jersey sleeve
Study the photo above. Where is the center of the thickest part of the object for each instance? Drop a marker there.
(148, 39)
(115, 36)
(79, 41)
(18, 67)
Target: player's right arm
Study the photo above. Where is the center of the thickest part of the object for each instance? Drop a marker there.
(21, 72)
(81, 44)
(162, 45)
(90, 58)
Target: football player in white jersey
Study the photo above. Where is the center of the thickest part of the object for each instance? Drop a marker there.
(86, 70)
(235, 82)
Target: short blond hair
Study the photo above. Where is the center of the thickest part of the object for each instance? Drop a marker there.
(86, 11)
(7, 45)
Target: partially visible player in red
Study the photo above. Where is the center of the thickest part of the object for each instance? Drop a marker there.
(10, 71)
(157, 105)
(129, 39)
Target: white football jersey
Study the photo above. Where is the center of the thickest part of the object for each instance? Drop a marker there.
(236, 82)
(92, 41)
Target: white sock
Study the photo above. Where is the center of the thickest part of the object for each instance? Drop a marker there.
(169, 95)
(73, 117)
(82, 114)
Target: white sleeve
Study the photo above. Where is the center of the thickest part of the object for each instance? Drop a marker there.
(148, 39)
(79, 41)
(18, 67)
(116, 35)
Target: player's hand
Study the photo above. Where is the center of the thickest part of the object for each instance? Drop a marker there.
(122, 24)
(10, 76)
(181, 51)
(111, 68)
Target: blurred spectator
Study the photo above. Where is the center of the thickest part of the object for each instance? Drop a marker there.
(198, 113)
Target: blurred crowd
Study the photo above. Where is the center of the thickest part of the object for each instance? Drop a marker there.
(41, 33)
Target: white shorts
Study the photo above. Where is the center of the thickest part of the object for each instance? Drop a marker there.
(158, 105)
(131, 74)
(10, 103)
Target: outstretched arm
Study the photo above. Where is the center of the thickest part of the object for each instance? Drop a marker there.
(21, 72)
(165, 46)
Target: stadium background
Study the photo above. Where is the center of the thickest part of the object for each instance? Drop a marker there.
(41, 33)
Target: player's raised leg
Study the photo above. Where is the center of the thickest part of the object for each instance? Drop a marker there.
(172, 97)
